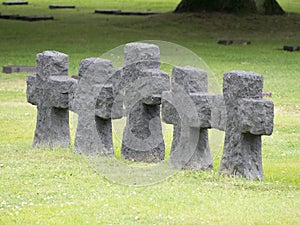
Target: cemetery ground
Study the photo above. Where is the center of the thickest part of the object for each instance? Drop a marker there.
(43, 186)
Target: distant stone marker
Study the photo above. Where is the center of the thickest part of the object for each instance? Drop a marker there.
(138, 13)
(291, 48)
(18, 69)
(15, 3)
(25, 18)
(61, 6)
(9, 16)
(234, 42)
(267, 94)
(36, 18)
(127, 13)
(104, 11)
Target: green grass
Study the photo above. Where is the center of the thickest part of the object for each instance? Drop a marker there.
(42, 186)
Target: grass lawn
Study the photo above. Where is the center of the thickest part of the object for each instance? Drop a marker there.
(42, 186)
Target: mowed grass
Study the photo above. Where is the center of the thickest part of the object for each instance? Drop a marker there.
(43, 186)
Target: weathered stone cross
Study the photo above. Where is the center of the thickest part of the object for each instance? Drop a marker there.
(49, 89)
(190, 116)
(95, 104)
(143, 83)
(248, 117)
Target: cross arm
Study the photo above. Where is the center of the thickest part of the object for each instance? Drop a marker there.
(256, 116)
(58, 89)
(108, 106)
(33, 92)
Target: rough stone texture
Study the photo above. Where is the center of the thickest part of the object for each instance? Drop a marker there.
(186, 106)
(191, 79)
(143, 83)
(109, 104)
(248, 117)
(49, 89)
(94, 131)
(218, 112)
(256, 116)
(135, 53)
(104, 102)
(51, 63)
(33, 92)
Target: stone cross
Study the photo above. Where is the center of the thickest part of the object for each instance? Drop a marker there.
(95, 105)
(49, 89)
(187, 108)
(143, 82)
(248, 117)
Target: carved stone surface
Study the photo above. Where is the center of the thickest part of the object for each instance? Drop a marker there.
(49, 89)
(248, 117)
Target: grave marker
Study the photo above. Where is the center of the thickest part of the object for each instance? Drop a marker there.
(15, 3)
(186, 107)
(48, 89)
(234, 42)
(25, 18)
(107, 11)
(248, 117)
(18, 69)
(291, 48)
(143, 82)
(94, 104)
(61, 6)
(126, 13)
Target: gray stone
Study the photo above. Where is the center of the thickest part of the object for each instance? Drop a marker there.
(143, 83)
(15, 3)
(109, 104)
(248, 117)
(191, 79)
(119, 12)
(51, 63)
(49, 89)
(187, 107)
(136, 53)
(256, 116)
(107, 11)
(93, 103)
(61, 6)
(218, 112)
(33, 92)
(18, 69)
(291, 48)
(234, 42)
